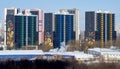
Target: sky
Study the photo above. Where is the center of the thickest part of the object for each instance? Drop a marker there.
(54, 6)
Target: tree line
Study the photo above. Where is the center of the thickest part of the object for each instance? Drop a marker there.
(55, 64)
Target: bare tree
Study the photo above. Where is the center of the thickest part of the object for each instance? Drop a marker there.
(45, 48)
(47, 45)
(74, 45)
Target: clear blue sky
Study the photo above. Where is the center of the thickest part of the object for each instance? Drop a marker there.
(55, 5)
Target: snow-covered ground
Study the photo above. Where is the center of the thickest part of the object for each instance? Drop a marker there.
(93, 53)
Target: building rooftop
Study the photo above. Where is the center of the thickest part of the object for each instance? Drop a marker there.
(104, 49)
(20, 52)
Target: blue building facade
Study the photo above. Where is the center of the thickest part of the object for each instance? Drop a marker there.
(70, 34)
(59, 30)
(63, 29)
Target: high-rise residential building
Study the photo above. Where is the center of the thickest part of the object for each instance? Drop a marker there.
(64, 31)
(25, 30)
(76, 25)
(89, 24)
(49, 25)
(40, 24)
(9, 26)
(105, 28)
(103, 24)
